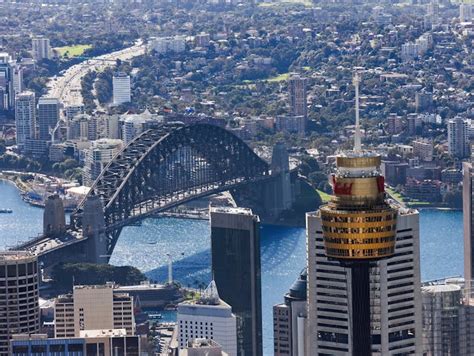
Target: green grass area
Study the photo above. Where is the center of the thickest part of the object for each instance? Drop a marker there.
(325, 197)
(419, 203)
(306, 3)
(406, 200)
(72, 51)
(394, 194)
(278, 78)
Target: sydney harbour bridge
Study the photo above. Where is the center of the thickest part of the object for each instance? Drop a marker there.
(161, 169)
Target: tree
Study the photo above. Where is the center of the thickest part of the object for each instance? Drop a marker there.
(453, 199)
(308, 165)
(65, 274)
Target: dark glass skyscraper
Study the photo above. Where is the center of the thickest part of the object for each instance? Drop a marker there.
(235, 241)
(48, 116)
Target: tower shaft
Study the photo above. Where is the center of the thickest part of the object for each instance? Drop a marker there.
(361, 336)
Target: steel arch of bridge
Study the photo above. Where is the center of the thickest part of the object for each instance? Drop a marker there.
(167, 166)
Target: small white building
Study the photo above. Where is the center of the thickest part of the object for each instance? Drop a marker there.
(209, 317)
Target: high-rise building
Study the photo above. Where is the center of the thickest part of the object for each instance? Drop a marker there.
(395, 293)
(25, 118)
(423, 101)
(93, 308)
(289, 320)
(291, 124)
(48, 117)
(109, 342)
(468, 219)
(458, 137)
(11, 81)
(235, 246)
(465, 12)
(161, 45)
(394, 124)
(73, 110)
(298, 102)
(108, 126)
(101, 152)
(134, 124)
(5, 78)
(16, 82)
(121, 89)
(432, 11)
(82, 127)
(423, 149)
(41, 48)
(442, 310)
(19, 284)
(208, 318)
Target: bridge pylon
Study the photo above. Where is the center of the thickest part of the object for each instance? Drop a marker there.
(93, 228)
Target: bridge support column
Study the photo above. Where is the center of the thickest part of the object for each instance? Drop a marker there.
(93, 228)
(278, 193)
(270, 198)
(54, 220)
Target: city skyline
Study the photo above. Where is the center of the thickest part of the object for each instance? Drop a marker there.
(309, 162)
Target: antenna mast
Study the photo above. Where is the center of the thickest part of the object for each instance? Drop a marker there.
(357, 134)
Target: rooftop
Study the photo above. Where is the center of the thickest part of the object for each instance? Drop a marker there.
(440, 288)
(103, 333)
(231, 210)
(15, 255)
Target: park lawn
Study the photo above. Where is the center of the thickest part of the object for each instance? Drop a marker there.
(325, 197)
(394, 194)
(306, 3)
(278, 78)
(419, 203)
(72, 51)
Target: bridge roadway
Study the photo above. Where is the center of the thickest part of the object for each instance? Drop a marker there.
(160, 169)
(43, 245)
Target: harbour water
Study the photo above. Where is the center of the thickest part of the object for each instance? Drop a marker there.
(283, 249)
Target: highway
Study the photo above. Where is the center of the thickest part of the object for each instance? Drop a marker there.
(67, 87)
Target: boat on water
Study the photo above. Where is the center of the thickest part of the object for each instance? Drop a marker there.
(155, 316)
(6, 211)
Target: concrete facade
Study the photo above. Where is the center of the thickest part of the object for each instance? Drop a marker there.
(19, 285)
(93, 308)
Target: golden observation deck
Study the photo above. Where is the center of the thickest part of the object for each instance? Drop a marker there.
(358, 224)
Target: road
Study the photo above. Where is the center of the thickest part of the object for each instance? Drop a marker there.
(67, 87)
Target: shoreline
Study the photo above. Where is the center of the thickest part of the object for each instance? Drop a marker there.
(6, 179)
(21, 190)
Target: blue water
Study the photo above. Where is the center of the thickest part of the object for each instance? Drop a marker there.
(283, 249)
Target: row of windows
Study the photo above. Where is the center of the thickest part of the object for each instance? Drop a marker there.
(358, 219)
(359, 230)
(360, 252)
(347, 241)
(195, 322)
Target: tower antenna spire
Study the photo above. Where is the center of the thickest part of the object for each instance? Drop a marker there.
(357, 134)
